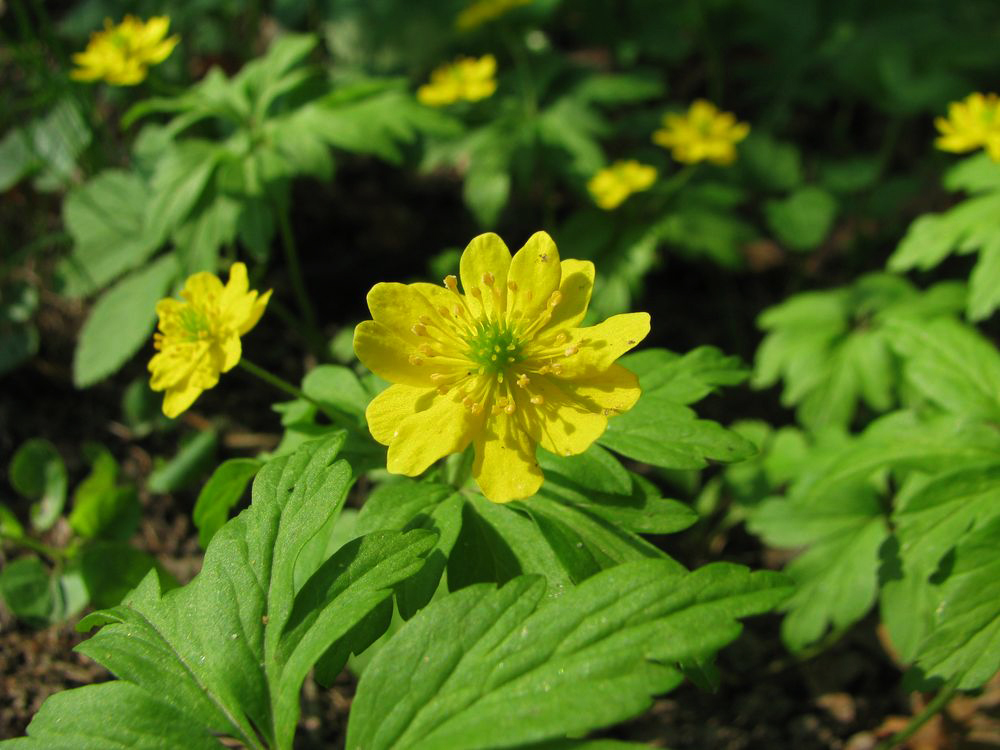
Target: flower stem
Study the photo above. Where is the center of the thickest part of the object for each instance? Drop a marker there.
(312, 332)
(930, 710)
(284, 386)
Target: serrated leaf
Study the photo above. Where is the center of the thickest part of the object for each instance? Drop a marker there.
(121, 322)
(932, 237)
(37, 471)
(100, 507)
(221, 492)
(984, 283)
(111, 570)
(181, 176)
(685, 378)
(228, 653)
(485, 657)
(965, 638)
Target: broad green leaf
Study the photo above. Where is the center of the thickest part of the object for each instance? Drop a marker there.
(337, 387)
(182, 175)
(57, 141)
(10, 527)
(220, 494)
(37, 471)
(974, 174)
(774, 164)
(199, 240)
(484, 658)
(121, 322)
(26, 589)
(100, 506)
(850, 175)
(984, 283)
(964, 641)
(16, 158)
(685, 378)
(837, 576)
(111, 570)
(618, 88)
(803, 219)
(950, 364)
(193, 458)
(227, 654)
(105, 218)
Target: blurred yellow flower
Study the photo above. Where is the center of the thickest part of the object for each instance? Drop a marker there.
(504, 366)
(199, 336)
(972, 123)
(703, 134)
(482, 11)
(122, 54)
(467, 79)
(612, 185)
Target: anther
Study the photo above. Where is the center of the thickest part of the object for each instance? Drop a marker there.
(510, 408)
(556, 368)
(476, 293)
(561, 337)
(443, 311)
(571, 350)
(523, 380)
(555, 298)
(544, 370)
(443, 390)
(419, 329)
(489, 279)
(436, 376)
(451, 282)
(426, 350)
(537, 400)
(458, 311)
(425, 319)
(415, 360)
(512, 285)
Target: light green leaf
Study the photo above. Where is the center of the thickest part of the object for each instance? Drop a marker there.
(37, 471)
(182, 175)
(337, 387)
(618, 88)
(121, 322)
(685, 378)
(974, 174)
(10, 527)
(984, 283)
(485, 658)
(221, 492)
(803, 219)
(100, 507)
(26, 589)
(111, 570)
(56, 141)
(227, 654)
(932, 237)
(964, 641)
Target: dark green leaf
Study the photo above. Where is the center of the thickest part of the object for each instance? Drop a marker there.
(112, 569)
(26, 589)
(220, 494)
(803, 219)
(37, 471)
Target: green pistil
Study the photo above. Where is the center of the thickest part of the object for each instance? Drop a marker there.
(194, 322)
(494, 348)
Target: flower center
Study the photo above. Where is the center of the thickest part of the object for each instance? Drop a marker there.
(195, 323)
(494, 347)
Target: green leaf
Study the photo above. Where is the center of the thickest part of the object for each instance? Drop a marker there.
(193, 458)
(10, 527)
(16, 158)
(121, 322)
(850, 175)
(220, 494)
(685, 378)
(965, 638)
(37, 471)
(974, 174)
(803, 219)
(26, 589)
(105, 218)
(984, 283)
(227, 654)
(181, 176)
(951, 365)
(56, 141)
(774, 164)
(837, 576)
(337, 387)
(618, 88)
(100, 507)
(112, 569)
(485, 658)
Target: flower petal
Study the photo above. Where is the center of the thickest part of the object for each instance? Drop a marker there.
(576, 286)
(388, 409)
(486, 254)
(614, 391)
(505, 467)
(202, 286)
(534, 274)
(386, 354)
(256, 311)
(179, 398)
(399, 307)
(565, 424)
(446, 426)
(597, 347)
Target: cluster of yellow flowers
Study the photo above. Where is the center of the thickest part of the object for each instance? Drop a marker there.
(612, 185)
(483, 11)
(971, 123)
(467, 79)
(122, 54)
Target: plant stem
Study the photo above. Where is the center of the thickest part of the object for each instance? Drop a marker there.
(461, 470)
(285, 387)
(312, 332)
(930, 710)
(53, 553)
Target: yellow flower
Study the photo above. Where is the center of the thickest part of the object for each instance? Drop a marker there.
(703, 134)
(503, 366)
(971, 124)
(612, 185)
(122, 54)
(483, 11)
(468, 79)
(199, 336)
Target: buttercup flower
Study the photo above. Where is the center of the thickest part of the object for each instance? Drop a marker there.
(703, 134)
(612, 185)
(972, 123)
(468, 79)
(483, 11)
(503, 366)
(122, 54)
(199, 336)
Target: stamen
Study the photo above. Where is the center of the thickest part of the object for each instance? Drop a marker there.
(523, 380)
(426, 320)
(537, 400)
(451, 282)
(443, 390)
(426, 350)
(512, 285)
(571, 350)
(510, 408)
(415, 360)
(489, 279)
(443, 311)
(555, 298)
(438, 376)
(419, 329)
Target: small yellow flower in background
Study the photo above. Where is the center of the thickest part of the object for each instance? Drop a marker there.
(467, 79)
(612, 185)
(503, 366)
(484, 11)
(972, 123)
(703, 134)
(199, 335)
(122, 54)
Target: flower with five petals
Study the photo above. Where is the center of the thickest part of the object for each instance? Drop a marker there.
(505, 366)
(122, 53)
(702, 134)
